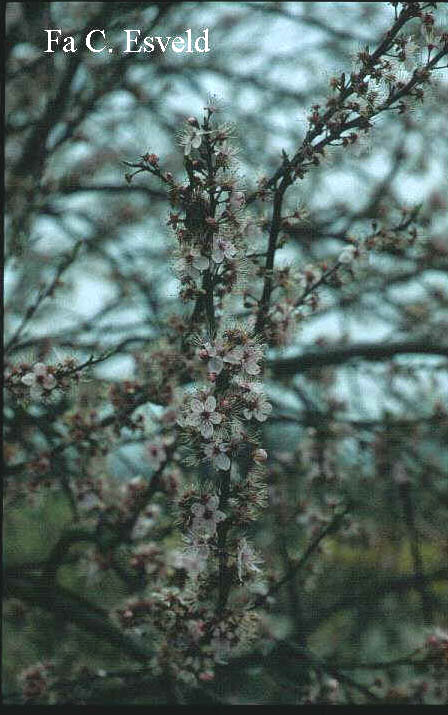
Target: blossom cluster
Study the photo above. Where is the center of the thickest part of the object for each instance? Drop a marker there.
(192, 639)
(216, 424)
(40, 381)
(36, 680)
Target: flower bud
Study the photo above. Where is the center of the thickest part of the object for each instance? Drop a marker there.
(259, 455)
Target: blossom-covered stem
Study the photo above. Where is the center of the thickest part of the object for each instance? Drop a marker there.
(208, 278)
(223, 580)
(417, 78)
(206, 301)
(290, 170)
(406, 14)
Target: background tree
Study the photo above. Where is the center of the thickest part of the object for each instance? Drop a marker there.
(323, 255)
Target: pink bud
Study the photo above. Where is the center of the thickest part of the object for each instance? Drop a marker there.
(206, 675)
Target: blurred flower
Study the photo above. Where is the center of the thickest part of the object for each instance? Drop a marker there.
(347, 255)
(157, 454)
(39, 380)
(247, 559)
(193, 558)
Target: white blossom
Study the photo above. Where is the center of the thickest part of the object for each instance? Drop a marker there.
(203, 416)
(218, 354)
(193, 558)
(247, 356)
(347, 255)
(207, 516)
(215, 354)
(222, 248)
(258, 407)
(192, 263)
(260, 456)
(145, 522)
(192, 139)
(89, 501)
(216, 452)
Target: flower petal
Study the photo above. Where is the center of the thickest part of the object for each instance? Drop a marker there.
(215, 365)
(197, 406)
(207, 429)
(222, 461)
(210, 404)
(29, 379)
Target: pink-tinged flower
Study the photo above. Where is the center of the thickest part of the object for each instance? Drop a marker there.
(206, 675)
(216, 452)
(89, 501)
(222, 248)
(257, 407)
(192, 139)
(145, 522)
(247, 356)
(438, 639)
(233, 357)
(192, 263)
(221, 644)
(347, 255)
(39, 378)
(193, 558)
(247, 559)
(248, 386)
(400, 474)
(283, 317)
(215, 355)
(207, 516)
(157, 454)
(236, 200)
(203, 416)
(196, 629)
